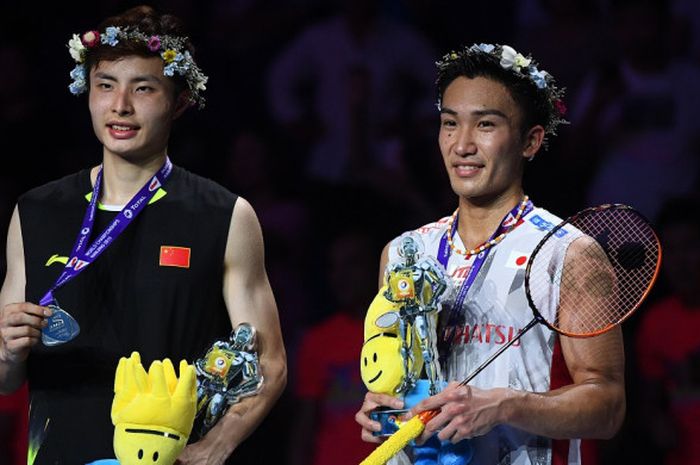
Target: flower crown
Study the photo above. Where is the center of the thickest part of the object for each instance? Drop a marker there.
(170, 48)
(522, 66)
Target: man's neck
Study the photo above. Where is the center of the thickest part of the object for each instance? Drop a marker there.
(122, 179)
(479, 219)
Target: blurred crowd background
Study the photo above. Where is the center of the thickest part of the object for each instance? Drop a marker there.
(322, 114)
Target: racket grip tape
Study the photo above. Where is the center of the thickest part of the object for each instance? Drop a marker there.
(397, 441)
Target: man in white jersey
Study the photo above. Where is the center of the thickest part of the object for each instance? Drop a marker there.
(534, 402)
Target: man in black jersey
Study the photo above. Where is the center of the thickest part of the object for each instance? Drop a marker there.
(179, 264)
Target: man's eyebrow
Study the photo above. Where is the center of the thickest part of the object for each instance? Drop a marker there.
(140, 78)
(103, 75)
(145, 77)
(490, 112)
(447, 110)
(477, 113)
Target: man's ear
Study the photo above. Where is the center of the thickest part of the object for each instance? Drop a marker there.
(182, 103)
(533, 141)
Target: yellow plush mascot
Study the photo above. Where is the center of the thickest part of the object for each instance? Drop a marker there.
(382, 366)
(152, 412)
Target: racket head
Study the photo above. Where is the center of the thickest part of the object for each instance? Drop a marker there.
(593, 270)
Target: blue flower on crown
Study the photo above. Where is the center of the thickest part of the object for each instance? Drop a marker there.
(110, 36)
(169, 70)
(482, 48)
(79, 73)
(539, 78)
(79, 84)
(77, 87)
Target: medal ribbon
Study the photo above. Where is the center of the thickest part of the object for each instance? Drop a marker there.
(444, 251)
(80, 258)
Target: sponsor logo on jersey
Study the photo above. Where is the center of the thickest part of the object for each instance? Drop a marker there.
(174, 256)
(484, 333)
(155, 184)
(55, 258)
(461, 272)
(544, 225)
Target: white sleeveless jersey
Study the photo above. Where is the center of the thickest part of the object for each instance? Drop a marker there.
(494, 309)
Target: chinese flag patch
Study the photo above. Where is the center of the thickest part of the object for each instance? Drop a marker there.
(174, 256)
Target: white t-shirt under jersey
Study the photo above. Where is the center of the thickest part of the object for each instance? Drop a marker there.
(494, 309)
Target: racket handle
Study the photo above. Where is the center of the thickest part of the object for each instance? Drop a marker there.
(428, 415)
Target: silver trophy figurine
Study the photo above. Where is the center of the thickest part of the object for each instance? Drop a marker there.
(229, 371)
(418, 284)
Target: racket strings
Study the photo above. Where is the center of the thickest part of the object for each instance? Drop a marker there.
(594, 271)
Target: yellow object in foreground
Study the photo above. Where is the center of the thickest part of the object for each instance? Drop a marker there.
(152, 412)
(382, 366)
(397, 441)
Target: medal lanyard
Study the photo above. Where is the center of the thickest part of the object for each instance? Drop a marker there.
(82, 254)
(444, 251)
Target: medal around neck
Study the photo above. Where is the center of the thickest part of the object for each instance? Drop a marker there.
(62, 327)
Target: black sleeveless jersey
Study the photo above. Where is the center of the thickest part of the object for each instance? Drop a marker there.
(157, 289)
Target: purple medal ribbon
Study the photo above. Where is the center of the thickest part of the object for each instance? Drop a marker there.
(60, 328)
(444, 251)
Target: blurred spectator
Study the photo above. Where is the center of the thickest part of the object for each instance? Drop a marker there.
(244, 35)
(668, 346)
(328, 383)
(686, 31)
(17, 121)
(347, 86)
(13, 428)
(637, 130)
(449, 24)
(263, 180)
(575, 23)
(570, 36)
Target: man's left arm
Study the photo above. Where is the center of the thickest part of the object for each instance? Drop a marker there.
(593, 406)
(249, 299)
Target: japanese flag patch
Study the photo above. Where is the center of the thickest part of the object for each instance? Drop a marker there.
(517, 259)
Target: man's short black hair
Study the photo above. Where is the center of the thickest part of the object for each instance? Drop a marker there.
(539, 105)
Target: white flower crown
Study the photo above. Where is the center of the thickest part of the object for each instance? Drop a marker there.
(169, 47)
(522, 66)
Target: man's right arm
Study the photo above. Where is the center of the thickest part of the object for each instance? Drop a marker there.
(20, 322)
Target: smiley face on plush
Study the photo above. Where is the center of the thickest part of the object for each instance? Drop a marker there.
(382, 366)
(152, 412)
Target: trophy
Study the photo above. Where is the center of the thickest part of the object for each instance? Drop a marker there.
(418, 284)
(229, 371)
